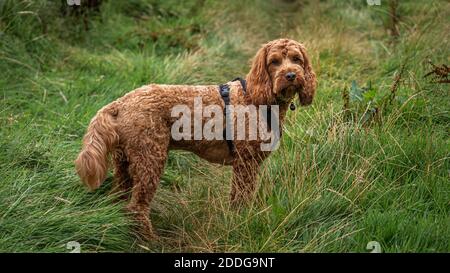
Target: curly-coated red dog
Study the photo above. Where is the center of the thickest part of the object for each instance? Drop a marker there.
(135, 130)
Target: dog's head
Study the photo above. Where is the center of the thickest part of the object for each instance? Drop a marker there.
(280, 69)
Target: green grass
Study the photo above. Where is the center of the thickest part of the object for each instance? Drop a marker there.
(334, 184)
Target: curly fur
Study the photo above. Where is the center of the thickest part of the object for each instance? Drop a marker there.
(99, 141)
(135, 129)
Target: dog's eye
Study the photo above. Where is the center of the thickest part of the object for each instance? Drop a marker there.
(297, 59)
(275, 62)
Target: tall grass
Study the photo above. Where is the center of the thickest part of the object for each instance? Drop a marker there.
(334, 185)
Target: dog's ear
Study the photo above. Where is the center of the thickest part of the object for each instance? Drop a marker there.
(306, 95)
(258, 79)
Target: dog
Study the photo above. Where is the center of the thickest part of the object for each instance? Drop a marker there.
(135, 131)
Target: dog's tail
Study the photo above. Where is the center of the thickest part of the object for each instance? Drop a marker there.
(100, 139)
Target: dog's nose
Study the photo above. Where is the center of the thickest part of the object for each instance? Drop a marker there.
(290, 76)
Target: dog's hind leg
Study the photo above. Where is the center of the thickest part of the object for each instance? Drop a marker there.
(147, 157)
(122, 183)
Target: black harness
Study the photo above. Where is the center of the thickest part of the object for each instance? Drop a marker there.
(224, 90)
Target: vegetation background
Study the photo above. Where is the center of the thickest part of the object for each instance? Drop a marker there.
(368, 161)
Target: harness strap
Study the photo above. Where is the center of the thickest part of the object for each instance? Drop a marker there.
(243, 83)
(224, 90)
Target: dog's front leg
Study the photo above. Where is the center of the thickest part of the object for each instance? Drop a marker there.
(245, 173)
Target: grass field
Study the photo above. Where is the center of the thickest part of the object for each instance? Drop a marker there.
(359, 165)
